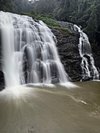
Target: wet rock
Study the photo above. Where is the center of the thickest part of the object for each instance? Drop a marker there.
(67, 44)
(96, 54)
(2, 81)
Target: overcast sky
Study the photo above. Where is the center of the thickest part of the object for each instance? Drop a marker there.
(33, 0)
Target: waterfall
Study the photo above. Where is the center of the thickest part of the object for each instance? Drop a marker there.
(29, 53)
(89, 70)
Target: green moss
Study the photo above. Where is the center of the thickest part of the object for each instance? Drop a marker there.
(48, 20)
(51, 22)
(64, 30)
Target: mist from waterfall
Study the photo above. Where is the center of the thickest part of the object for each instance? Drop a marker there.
(89, 69)
(29, 53)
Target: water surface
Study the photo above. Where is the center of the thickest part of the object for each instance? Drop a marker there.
(51, 110)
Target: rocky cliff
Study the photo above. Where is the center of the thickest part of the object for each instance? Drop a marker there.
(96, 54)
(67, 43)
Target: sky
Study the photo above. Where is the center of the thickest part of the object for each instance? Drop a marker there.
(33, 0)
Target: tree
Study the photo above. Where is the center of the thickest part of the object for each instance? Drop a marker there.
(6, 5)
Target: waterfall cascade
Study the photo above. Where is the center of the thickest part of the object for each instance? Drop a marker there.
(29, 54)
(89, 69)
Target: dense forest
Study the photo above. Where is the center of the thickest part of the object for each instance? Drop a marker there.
(82, 12)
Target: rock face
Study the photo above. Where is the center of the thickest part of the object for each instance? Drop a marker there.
(67, 43)
(96, 54)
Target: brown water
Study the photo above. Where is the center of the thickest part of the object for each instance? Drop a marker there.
(51, 110)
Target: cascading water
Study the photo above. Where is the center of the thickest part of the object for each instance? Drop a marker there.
(89, 69)
(29, 52)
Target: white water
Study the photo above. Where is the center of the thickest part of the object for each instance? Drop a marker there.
(29, 52)
(89, 69)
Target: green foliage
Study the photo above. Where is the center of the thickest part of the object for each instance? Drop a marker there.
(81, 12)
(50, 21)
(6, 5)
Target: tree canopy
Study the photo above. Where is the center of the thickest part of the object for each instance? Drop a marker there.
(81, 12)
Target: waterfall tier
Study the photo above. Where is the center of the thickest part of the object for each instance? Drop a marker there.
(29, 53)
(89, 70)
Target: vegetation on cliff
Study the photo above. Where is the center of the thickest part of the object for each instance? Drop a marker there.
(82, 12)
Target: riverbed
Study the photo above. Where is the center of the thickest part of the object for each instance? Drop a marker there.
(54, 109)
